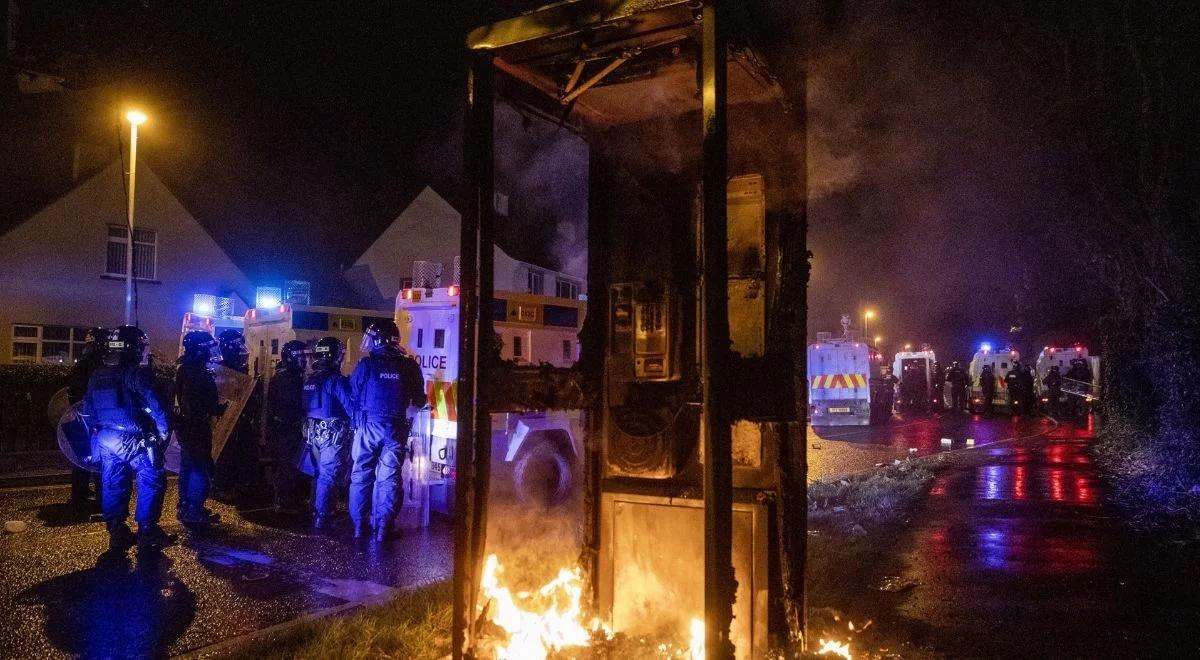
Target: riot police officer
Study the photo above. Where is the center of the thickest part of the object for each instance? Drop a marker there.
(285, 416)
(328, 406)
(958, 379)
(384, 384)
(77, 382)
(1012, 382)
(1053, 384)
(237, 467)
(987, 388)
(197, 400)
(1080, 383)
(130, 430)
(1028, 393)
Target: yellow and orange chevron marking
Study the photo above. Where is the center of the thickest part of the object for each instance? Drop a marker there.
(839, 381)
(443, 398)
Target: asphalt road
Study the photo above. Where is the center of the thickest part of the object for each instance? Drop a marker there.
(1018, 555)
(64, 597)
(838, 450)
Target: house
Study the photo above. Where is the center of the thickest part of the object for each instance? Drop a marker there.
(64, 269)
(428, 231)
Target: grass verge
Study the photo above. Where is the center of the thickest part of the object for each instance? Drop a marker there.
(1155, 476)
(416, 625)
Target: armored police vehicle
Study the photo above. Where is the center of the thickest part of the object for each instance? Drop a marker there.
(543, 447)
(839, 375)
(919, 369)
(1001, 363)
(1053, 356)
(268, 328)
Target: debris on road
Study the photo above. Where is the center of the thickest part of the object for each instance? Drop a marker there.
(894, 584)
(15, 526)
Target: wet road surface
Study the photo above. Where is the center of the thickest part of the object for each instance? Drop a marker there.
(839, 450)
(64, 597)
(1019, 555)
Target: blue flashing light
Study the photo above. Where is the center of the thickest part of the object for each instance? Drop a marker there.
(985, 347)
(203, 304)
(267, 297)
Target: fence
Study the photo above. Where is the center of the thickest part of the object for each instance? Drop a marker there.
(25, 391)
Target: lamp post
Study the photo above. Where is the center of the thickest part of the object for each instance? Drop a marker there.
(877, 340)
(867, 316)
(135, 119)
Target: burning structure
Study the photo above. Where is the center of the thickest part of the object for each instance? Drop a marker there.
(694, 490)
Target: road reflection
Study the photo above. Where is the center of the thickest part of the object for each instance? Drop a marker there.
(929, 435)
(1026, 511)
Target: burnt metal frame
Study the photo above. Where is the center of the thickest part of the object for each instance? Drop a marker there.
(473, 457)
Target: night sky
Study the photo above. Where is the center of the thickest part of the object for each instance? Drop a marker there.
(945, 186)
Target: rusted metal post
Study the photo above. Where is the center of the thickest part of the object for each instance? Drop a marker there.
(477, 169)
(719, 586)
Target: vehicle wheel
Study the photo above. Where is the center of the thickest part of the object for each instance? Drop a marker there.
(542, 475)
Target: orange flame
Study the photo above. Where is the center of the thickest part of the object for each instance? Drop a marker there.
(834, 648)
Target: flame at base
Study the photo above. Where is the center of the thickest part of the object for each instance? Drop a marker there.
(533, 634)
(834, 648)
(696, 640)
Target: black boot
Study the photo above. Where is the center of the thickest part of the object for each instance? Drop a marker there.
(120, 537)
(152, 537)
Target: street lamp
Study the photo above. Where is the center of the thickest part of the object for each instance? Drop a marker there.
(877, 340)
(867, 315)
(135, 118)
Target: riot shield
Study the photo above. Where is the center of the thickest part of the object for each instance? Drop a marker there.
(74, 437)
(58, 406)
(234, 389)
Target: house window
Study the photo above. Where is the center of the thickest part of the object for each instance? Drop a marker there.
(52, 344)
(518, 349)
(439, 338)
(566, 289)
(145, 252)
(536, 282)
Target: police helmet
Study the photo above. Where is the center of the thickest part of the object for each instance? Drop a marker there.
(292, 355)
(199, 346)
(127, 344)
(381, 334)
(233, 347)
(328, 352)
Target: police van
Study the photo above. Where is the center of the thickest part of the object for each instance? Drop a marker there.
(268, 328)
(543, 447)
(923, 364)
(839, 376)
(1053, 356)
(1001, 363)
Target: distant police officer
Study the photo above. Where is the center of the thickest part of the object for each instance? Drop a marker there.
(1012, 382)
(937, 396)
(384, 384)
(1053, 385)
(285, 416)
(77, 382)
(328, 406)
(237, 467)
(1079, 379)
(987, 388)
(197, 400)
(958, 379)
(1028, 393)
(130, 429)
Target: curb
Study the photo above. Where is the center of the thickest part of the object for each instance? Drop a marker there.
(219, 649)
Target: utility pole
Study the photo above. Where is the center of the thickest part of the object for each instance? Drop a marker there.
(135, 119)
